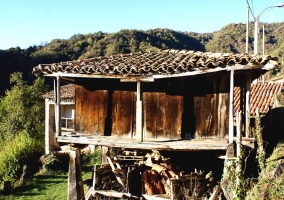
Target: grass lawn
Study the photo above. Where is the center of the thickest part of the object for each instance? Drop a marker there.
(46, 187)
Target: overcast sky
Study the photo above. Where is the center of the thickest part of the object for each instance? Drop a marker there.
(26, 23)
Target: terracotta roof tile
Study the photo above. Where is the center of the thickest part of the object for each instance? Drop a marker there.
(152, 63)
(66, 92)
(261, 96)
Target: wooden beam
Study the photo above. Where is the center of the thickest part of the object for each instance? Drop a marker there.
(75, 182)
(139, 111)
(112, 193)
(247, 104)
(239, 147)
(171, 145)
(47, 113)
(231, 107)
(58, 108)
(137, 79)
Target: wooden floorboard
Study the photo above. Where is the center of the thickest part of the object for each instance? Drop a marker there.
(131, 143)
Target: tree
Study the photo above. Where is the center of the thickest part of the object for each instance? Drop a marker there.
(22, 109)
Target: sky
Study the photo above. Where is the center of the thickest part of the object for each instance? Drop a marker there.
(27, 23)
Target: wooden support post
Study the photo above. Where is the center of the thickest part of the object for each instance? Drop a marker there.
(231, 111)
(174, 187)
(247, 105)
(47, 113)
(75, 182)
(104, 155)
(58, 109)
(139, 109)
(239, 147)
(94, 177)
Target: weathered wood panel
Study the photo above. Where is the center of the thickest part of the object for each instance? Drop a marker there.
(105, 107)
(123, 110)
(211, 107)
(176, 108)
(91, 110)
(163, 107)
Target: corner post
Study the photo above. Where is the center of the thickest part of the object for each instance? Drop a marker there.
(58, 108)
(247, 105)
(47, 136)
(75, 182)
(231, 111)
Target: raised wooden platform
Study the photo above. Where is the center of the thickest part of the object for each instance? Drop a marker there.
(153, 144)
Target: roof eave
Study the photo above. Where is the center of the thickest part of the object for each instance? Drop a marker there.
(143, 77)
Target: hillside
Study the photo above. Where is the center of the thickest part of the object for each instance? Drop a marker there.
(231, 38)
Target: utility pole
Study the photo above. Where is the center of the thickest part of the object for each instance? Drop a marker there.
(247, 33)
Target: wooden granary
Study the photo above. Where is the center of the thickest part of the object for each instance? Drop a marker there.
(174, 100)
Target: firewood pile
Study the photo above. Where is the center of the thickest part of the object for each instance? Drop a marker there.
(148, 175)
(156, 179)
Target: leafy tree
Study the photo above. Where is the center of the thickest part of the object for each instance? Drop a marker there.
(22, 109)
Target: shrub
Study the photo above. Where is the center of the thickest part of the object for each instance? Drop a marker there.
(23, 152)
(92, 158)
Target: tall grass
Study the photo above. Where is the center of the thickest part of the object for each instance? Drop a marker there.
(17, 153)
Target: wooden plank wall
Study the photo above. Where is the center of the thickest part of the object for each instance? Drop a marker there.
(123, 113)
(163, 108)
(211, 107)
(91, 111)
(176, 108)
(105, 107)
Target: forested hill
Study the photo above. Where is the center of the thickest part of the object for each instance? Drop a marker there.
(230, 38)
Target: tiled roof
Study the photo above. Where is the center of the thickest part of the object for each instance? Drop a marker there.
(153, 63)
(66, 92)
(261, 97)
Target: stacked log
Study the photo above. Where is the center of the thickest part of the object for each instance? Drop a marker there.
(154, 176)
(156, 180)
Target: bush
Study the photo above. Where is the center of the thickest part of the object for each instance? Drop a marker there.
(92, 158)
(55, 163)
(23, 152)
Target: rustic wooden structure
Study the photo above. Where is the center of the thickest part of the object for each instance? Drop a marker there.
(67, 108)
(167, 100)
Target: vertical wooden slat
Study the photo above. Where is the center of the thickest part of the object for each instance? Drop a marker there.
(231, 112)
(247, 104)
(160, 120)
(222, 109)
(139, 135)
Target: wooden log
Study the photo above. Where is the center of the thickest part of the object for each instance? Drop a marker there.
(111, 193)
(158, 168)
(148, 187)
(75, 182)
(156, 183)
(119, 176)
(166, 186)
(214, 196)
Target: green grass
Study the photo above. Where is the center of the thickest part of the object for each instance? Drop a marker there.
(269, 186)
(46, 186)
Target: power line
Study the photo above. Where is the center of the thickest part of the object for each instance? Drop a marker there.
(250, 8)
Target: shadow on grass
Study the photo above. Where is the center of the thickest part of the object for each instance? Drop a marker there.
(87, 168)
(37, 184)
